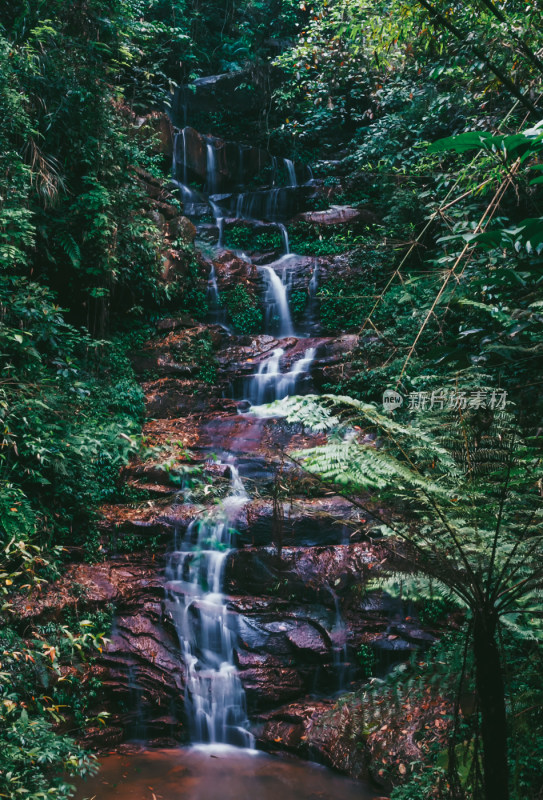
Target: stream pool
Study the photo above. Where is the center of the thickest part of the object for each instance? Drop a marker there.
(213, 772)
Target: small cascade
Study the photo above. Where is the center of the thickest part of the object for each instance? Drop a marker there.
(217, 313)
(284, 234)
(272, 204)
(219, 221)
(214, 697)
(211, 168)
(263, 384)
(277, 317)
(314, 282)
(291, 172)
(192, 201)
(339, 645)
(288, 382)
(269, 383)
(274, 171)
(139, 731)
(185, 160)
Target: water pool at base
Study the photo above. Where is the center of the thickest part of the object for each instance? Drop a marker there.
(216, 773)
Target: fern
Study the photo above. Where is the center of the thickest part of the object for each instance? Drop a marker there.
(69, 246)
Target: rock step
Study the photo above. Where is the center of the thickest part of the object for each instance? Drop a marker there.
(304, 523)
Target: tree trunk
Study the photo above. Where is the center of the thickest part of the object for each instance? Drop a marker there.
(491, 696)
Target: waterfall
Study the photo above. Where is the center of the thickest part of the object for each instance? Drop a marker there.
(291, 171)
(269, 383)
(272, 204)
(211, 168)
(339, 644)
(284, 234)
(219, 221)
(287, 383)
(274, 170)
(217, 313)
(213, 288)
(264, 382)
(314, 282)
(214, 697)
(190, 198)
(185, 169)
(278, 318)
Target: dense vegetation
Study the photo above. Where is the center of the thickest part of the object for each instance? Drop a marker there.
(427, 112)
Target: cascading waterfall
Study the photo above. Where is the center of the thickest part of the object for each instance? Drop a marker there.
(269, 383)
(189, 197)
(214, 697)
(219, 221)
(263, 383)
(339, 640)
(217, 312)
(287, 383)
(284, 235)
(211, 168)
(277, 312)
(291, 171)
(314, 282)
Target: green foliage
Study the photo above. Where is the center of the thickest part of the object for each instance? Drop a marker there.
(243, 309)
(366, 659)
(252, 240)
(310, 239)
(298, 300)
(201, 354)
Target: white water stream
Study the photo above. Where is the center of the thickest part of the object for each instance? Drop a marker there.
(214, 696)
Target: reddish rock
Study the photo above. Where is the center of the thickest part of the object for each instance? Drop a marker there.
(308, 572)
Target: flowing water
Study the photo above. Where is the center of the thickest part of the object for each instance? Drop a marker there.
(284, 236)
(214, 696)
(211, 168)
(291, 171)
(225, 764)
(277, 316)
(209, 774)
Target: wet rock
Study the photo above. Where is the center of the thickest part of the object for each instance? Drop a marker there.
(309, 572)
(267, 681)
(330, 520)
(318, 729)
(176, 353)
(172, 397)
(231, 270)
(338, 215)
(174, 323)
(139, 669)
(190, 151)
(124, 582)
(162, 127)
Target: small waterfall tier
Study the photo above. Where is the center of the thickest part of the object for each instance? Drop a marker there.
(268, 383)
(214, 697)
(277, 316)
(213, 174)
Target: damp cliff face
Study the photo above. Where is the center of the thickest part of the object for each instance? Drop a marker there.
(235, 608)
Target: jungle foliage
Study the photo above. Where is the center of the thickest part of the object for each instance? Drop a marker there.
(428, 112)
